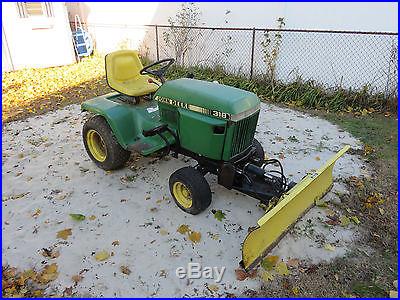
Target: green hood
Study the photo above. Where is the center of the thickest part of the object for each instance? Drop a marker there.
(209, 95)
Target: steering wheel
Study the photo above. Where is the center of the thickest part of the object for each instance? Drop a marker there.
(159, 72)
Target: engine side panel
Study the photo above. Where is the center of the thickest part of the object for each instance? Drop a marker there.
(201, 134)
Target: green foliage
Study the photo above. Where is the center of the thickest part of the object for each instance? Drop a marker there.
(301, 93)
(219, 215)
(77, 217)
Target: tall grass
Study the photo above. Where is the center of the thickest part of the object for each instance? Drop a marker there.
(301, 93)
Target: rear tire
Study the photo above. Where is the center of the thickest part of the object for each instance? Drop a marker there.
(259, 155)
(102, 146)
(190, 190)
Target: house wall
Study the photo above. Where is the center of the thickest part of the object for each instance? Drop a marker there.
(36, 41)
(351, 61)
(355, 16)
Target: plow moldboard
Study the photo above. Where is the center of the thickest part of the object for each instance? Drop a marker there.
(274, 224)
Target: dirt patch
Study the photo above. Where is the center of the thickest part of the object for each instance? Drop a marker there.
(130, 219)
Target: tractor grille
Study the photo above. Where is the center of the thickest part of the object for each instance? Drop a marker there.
(243, 134)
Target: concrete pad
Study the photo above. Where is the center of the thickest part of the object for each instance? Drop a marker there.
(46, 168)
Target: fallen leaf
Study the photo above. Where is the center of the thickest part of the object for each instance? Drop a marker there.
(368, 149)
(125, 270)
(329, 247)
(219, 215)
(92, 217)
(393, 294)
(395, 284)
(102, 255)
(269, 262)
(115, 243)
(332, 222)
(64, 234)
(182, 229)
(163, 273)
(321, 203)
(240, 274)
(293, 263)
(344, 221)
(336, 277)
(76, 278)
(317, 158)
(355, 220)
(77, 217)
(381, 211)
(267, 276)
(214, 236)
(357, 182)
(36, 213)
(281, 268)
(49, 273)
(163, 232)
(295, 291)
(50, 253)
(194, 236)
(213, 287)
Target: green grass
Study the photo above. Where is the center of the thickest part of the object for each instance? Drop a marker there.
(301, 93)
(369, 290)
(376, 130)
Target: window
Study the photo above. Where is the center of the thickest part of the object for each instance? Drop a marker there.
(35, 9)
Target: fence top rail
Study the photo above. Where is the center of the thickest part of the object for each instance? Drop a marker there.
(247, 29)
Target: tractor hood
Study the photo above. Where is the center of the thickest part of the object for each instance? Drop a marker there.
(211, 98)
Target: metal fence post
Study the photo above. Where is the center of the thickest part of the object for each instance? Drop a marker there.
(252, 53)
(158, 53)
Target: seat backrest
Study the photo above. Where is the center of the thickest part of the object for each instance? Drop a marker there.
(122, 65)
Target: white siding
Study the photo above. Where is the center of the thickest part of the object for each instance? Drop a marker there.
(38, 42)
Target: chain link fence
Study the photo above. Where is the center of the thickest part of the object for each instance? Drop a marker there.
(351, 60)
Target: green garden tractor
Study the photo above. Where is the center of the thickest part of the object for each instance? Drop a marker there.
(209, 122)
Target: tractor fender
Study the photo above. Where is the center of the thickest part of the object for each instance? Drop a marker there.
(121, 120)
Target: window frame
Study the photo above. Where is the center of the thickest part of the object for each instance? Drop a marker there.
(47, 9)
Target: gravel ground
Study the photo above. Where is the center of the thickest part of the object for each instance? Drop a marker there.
(47, 175)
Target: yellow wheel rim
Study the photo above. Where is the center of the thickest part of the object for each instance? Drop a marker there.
(182, 194)
(96, 145)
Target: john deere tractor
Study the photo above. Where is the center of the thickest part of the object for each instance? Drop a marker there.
(212, 123)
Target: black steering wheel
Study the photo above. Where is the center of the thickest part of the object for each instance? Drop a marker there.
(159, 71)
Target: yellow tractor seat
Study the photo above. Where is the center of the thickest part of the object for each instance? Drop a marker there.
(122, 73)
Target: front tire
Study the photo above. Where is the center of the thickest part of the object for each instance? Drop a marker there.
(259, 155)
(102, 146)
(190, 190)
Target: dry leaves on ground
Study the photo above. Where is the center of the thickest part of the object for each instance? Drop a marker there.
(64, 234)
(27, 284)
(24, 94)
(193, 236)
(102, 255)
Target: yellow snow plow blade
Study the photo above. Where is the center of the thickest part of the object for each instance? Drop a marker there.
(274, 224)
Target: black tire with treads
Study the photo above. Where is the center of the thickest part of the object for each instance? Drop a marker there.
(259, 154)
(116, 155)
(197, 185)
